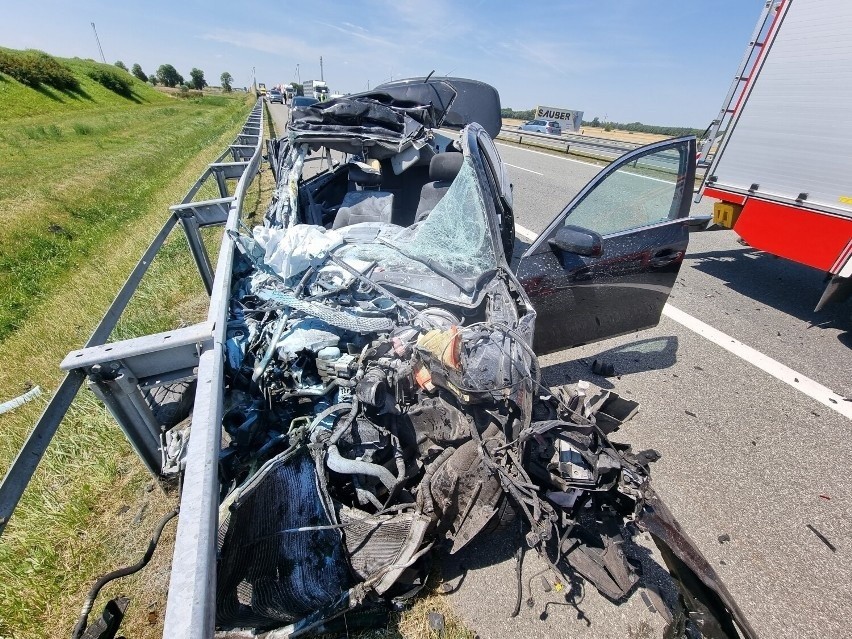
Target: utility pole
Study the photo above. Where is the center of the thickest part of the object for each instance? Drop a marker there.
(298, 75)
(321, 75)
(98, 40)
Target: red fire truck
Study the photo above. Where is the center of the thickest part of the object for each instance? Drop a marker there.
(779, 155)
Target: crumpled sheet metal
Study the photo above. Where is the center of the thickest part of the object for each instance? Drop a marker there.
(715, 612)
(412, 415)
(338, 318)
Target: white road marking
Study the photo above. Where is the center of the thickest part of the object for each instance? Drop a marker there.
(522, 168)
(806, 385)
(801, 383)
(525, 233)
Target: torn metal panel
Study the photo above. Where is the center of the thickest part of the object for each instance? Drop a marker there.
(709, 604)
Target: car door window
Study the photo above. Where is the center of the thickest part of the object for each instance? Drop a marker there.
(643, 192)
(615, 278)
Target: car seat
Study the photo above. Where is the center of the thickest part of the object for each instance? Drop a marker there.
(443, 169)
(365, 203)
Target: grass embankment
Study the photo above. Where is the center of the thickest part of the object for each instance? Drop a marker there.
(86, 177)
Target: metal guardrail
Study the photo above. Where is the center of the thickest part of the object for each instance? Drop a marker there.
(190, 609)
(239, 161)
(610, 149)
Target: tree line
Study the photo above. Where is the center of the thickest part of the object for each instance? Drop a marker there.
(168, 76)
(638, 127)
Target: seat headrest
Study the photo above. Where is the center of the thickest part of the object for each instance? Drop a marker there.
(444, 167)
(364, 174)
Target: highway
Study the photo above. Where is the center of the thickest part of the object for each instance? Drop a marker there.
(751, 455)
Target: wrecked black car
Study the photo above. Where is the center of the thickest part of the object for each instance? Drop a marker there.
(383, 394)
(366, 389)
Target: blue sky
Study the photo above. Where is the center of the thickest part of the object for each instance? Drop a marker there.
(656, 61)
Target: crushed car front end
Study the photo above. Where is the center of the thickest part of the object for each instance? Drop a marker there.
(380, 396)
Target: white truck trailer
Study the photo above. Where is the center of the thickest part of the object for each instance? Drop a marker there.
(783, 169)
(316, 89)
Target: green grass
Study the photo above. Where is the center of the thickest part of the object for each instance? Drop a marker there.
(37, 69)
(84, 186)
(23, 100)
(59, 202)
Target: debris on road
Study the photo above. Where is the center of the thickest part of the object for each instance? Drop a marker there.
(602, 368)
(822, 538)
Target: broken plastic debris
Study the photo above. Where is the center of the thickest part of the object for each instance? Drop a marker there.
(423, 378)
(604, 369)
(12, 404)
(443, 345)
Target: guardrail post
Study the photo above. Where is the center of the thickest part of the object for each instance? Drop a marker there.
(196, 247)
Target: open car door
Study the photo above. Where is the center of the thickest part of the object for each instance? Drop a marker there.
(606, 265)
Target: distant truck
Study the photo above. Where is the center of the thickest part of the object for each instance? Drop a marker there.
(783, 169)
(569, 120)
(316, 89)
(289, 91)
(261, 88)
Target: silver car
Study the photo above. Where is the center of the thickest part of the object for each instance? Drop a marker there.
(551, 127)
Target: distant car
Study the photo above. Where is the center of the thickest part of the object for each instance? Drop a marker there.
(551, 127)
(303, 101)
(300, 101)
(275, 96)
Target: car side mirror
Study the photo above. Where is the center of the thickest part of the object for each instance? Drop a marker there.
(573, 239)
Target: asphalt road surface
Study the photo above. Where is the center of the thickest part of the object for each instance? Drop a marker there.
(744, 454)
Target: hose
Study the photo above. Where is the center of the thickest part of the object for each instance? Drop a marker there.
(340, 464)
(82, 620)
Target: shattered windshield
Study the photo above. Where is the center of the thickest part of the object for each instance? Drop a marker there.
(456, 233)
(454, 239)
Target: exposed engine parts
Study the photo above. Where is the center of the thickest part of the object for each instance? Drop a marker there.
(366, 426)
